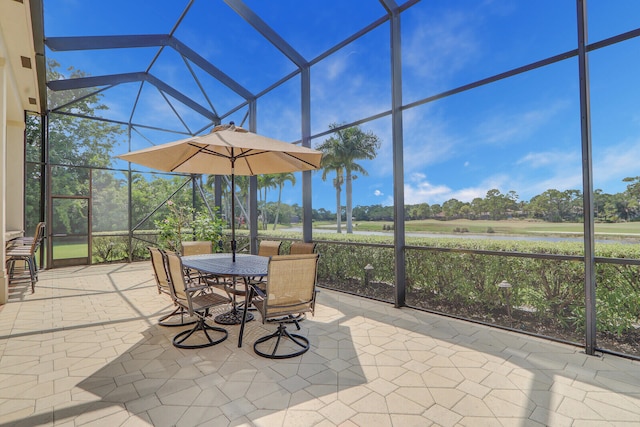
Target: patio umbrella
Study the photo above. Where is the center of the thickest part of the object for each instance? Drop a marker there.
(227, 150)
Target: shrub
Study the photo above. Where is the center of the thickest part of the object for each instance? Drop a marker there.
(109, 249)
(181, 222)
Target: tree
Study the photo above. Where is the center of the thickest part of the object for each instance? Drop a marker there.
(332, 163)
(451, 208)
(74, 144)
(265, 182)
(557, 206)
(78, 141)
(280, 180)
(241, 195)
(632, 194)
(478, 207)
(424, 211)
(345, 148)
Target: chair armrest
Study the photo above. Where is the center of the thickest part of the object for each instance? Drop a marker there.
(257, 291)
(191, 288)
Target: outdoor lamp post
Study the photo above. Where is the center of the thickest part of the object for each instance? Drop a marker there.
(506, 288)
(368, 272)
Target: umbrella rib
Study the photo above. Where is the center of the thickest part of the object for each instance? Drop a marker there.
(301, 160)
(176, 166)
(206, 150)
(242, 155)
(254, 153)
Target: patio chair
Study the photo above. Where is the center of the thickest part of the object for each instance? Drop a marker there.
(27, 240)
(200, 247)
(302, 248)
(26, 253)
(158, 263)
(266, 248)
(269, 247)
(289, 290)
(299, 248)
(197, 247)
(198, 300)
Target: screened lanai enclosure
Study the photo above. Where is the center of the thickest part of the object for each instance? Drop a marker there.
(470, 103)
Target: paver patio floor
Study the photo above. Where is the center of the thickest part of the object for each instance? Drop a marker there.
(86, 349)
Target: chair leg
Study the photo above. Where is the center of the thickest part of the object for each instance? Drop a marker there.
(178, 311)
(201, 325)
(9, 265)
(279, 335)
(33, 272)
(30, 261)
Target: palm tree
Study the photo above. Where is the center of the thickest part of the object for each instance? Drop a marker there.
(265, 182)
(331, 162)
(348, 145)
(280, 180)
(243, 183)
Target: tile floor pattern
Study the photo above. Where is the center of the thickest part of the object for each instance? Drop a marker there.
(85, 349)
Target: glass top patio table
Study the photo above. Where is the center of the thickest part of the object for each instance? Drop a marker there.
(222, 264)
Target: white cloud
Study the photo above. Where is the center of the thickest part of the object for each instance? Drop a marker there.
(503, 127)
(378, 193)
(336, 66)
(555, 159)
(427, 140)
(437, 49)
(617, 161)
(425, 192)
(418, 189)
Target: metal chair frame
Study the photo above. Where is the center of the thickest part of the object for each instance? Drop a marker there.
(289, 290)
(198, 300)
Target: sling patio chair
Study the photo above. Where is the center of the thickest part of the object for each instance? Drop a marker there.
(266, 248)
(158, 262)
(26, 253)
(269, 247)
(202, 247)
(199, 247)
(27, 240)
(198, 300)
(289, 290)
(298, 248)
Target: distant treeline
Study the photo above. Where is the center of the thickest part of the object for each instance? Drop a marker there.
(552, 205)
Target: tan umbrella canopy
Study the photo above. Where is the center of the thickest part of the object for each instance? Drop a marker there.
(227, 150)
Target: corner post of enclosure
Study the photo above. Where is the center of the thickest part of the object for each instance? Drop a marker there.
(47, 191)
(130, 200)
(307, 208)
(587, 181)
(44, 158)
(252, 221)
(398, 159)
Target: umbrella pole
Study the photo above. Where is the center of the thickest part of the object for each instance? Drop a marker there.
(233, 216)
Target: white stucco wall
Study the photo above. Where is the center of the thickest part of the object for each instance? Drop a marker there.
(11, 159)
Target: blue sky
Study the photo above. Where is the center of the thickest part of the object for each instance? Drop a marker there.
(521, 133)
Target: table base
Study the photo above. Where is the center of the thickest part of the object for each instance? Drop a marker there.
(233, 317)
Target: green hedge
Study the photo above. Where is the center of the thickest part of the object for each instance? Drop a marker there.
(545, 292)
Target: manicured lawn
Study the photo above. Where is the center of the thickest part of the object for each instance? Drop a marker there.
(70, 250)
(521, 227)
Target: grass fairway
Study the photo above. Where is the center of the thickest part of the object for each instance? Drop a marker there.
(507, 227)
(70, 250)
